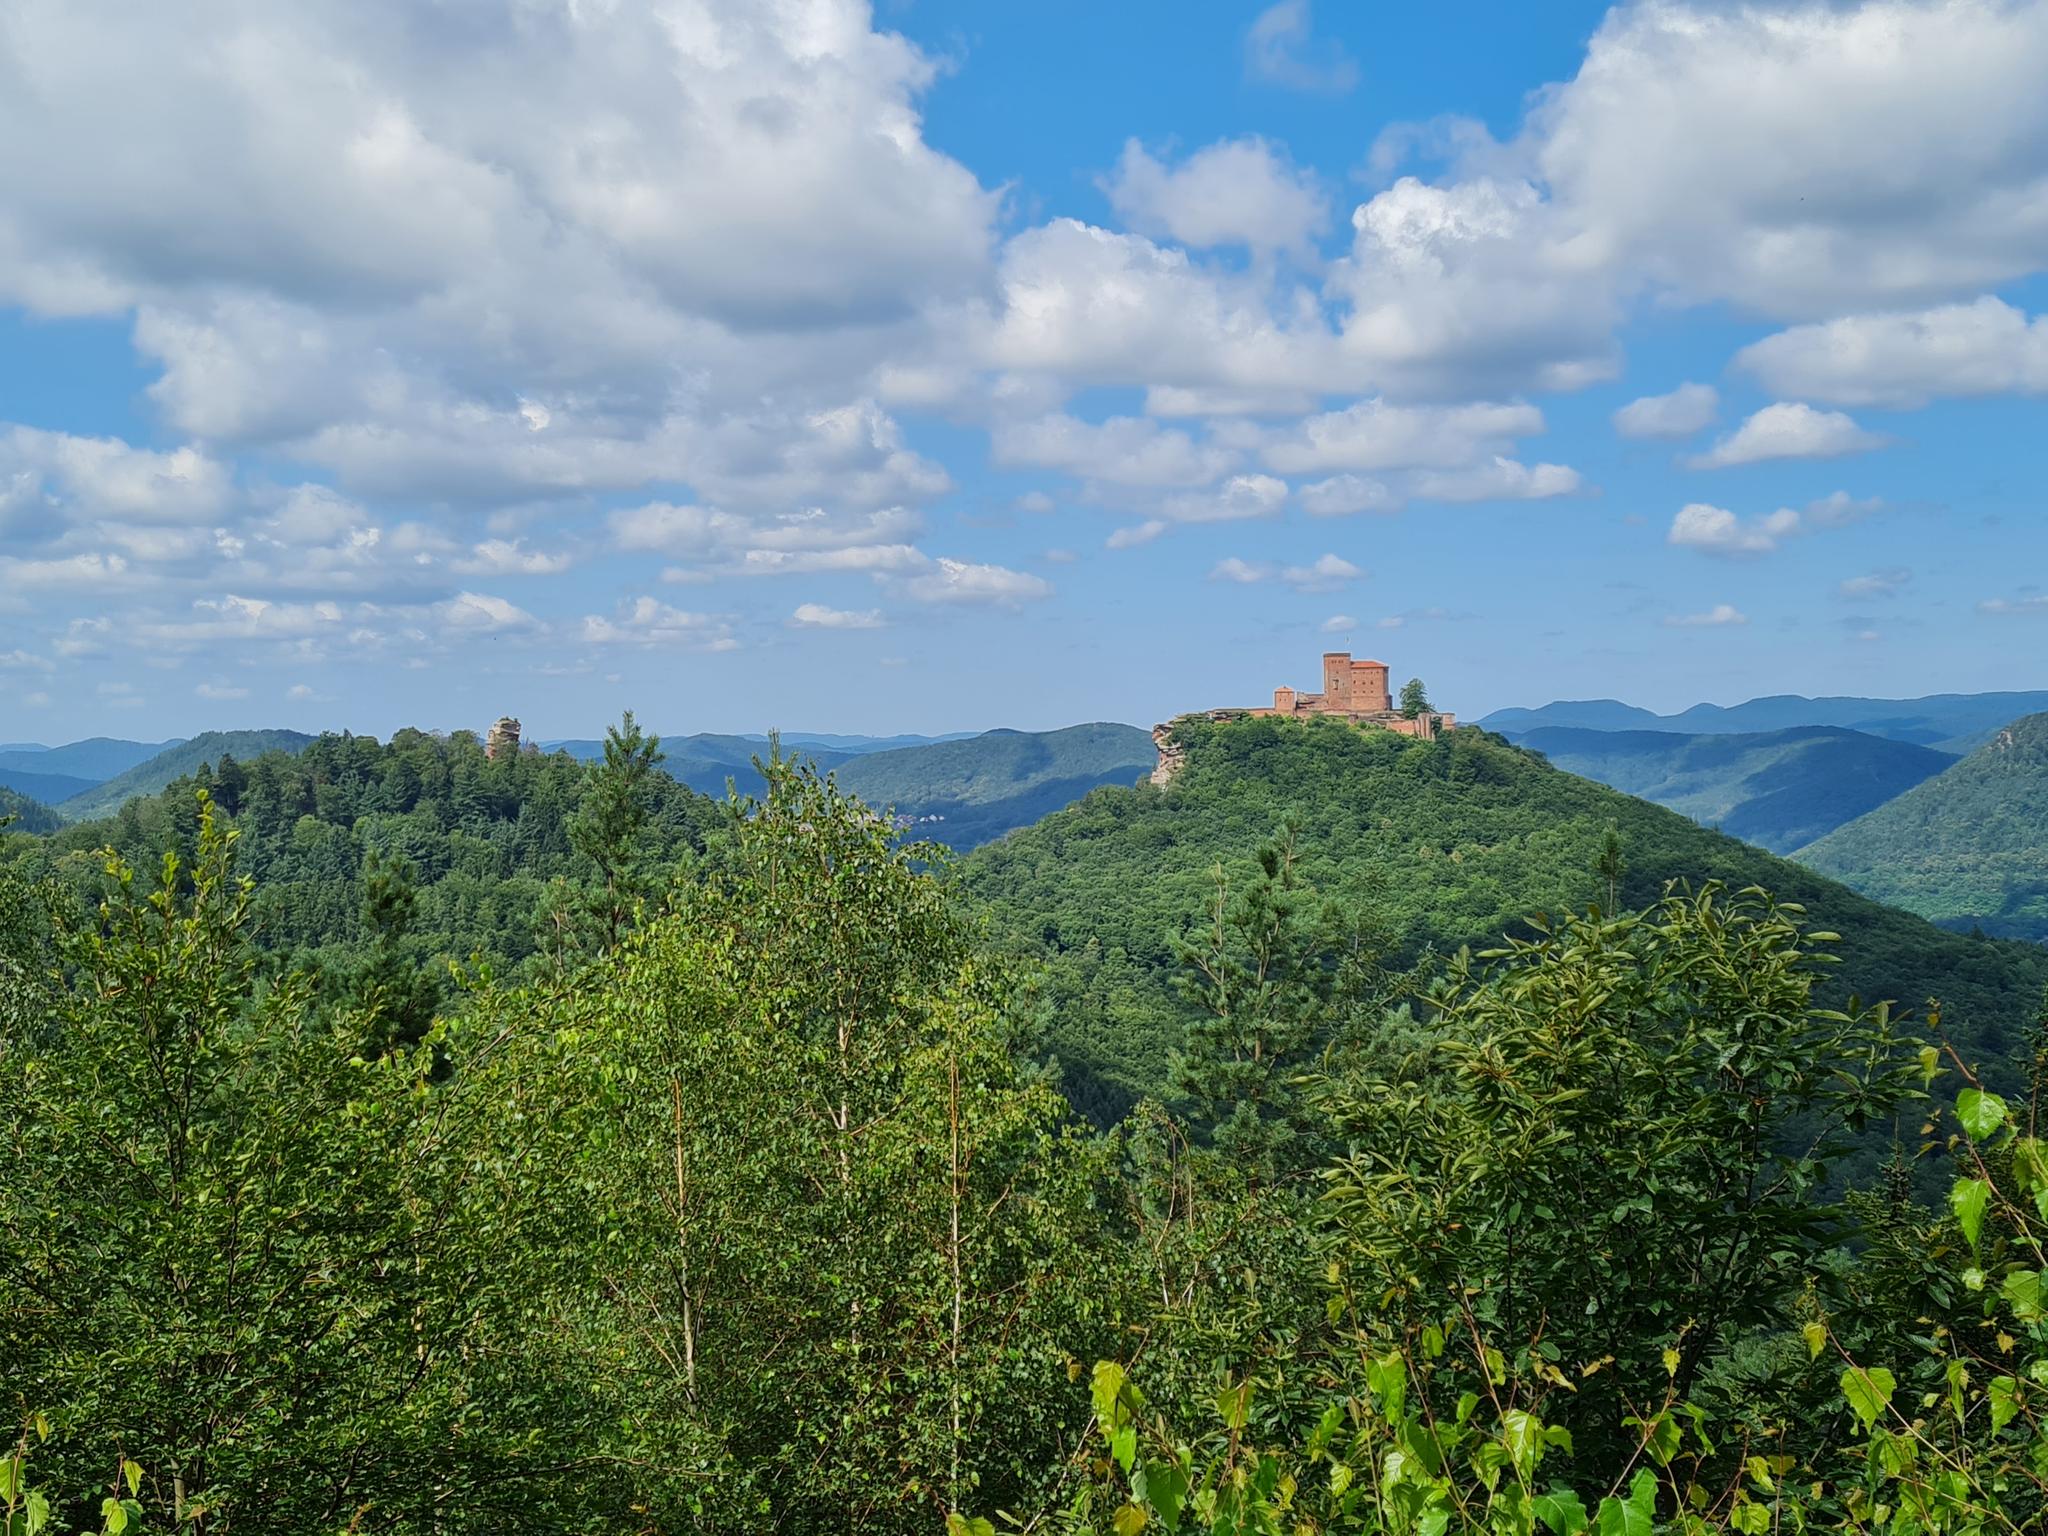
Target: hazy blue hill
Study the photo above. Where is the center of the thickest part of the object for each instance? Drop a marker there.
(966, 792)
(50, 788)
(151, 777)
(1453, 842)
(1969, 849)
(1952, 722)
(96, 759)
(1574, 714)
(1777, 789)
(707, 762)
(29, 815)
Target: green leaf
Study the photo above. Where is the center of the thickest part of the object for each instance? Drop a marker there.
(2004, 1393)
(2022, 1292)
(1750, 1519)
(1235, 1404)
(1869, 1392)
(131, 1473)
(114, 1516)
(1128, 1521)
(1634, 1516)
(1522, 1434)
(1816, 1336)
(1979, 1113)
(960, 1525)
(1561, 1510)
(1967, 1198)
(1165, 1488)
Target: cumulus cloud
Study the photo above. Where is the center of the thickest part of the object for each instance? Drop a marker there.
(1320, 575)
(1788, 430)
(1986, 347)
(818, 616)
(1239, 497)
(1281, 48)
(1338, 623)
(1232, 568)
(1135, 534)
(1344, 495)
(962, 581)
(1720, 616)
(220, 692)
(1718, 531)
(648, 622)
(2031, 605)
(1501, 479)
(1374, 435)
(1240, 192)
(1124, 450)
(1686, 410)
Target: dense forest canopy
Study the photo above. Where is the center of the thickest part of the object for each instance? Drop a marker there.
(735, 1189)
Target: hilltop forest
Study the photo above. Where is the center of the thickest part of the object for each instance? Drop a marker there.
(1358, 1134)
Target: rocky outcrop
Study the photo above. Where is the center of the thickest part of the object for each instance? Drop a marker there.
(1173, 755)
(503, 740)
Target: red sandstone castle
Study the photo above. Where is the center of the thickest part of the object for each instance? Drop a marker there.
(1357, 690)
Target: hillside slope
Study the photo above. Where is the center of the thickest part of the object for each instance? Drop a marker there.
(175, 762)
(1453, 842)
(1951, 722)
(1778, 789)
(966, 793)
(1969, 849)
(50, 788)
(28, 815)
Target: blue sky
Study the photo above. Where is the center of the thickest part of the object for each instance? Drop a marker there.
(938, 366)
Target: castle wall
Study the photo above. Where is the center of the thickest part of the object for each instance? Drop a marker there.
(1337, 680)
(1369, 687)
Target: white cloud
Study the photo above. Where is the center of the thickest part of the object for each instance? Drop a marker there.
(1344, 495)
(961, 581)
(1321, 575)
(1036, 501)
(1238, 498)
(1133, 535)
(1886, 583)
(87, 478)
(2032, 605)
(1240, 192)
(1986, 347)
(18, 660)
(1502, 479)
(1788, 430)
(1281, 48)
(1338, 624)
(220, 692)
(478, 612)
(1232, 568)
(510, 557)
(1720, 616)
(818, 616)
(1718, 531)
(1687, 409)
(1124, 450)
(644, 621)
(1374, 435)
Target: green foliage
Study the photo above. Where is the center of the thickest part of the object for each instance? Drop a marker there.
(609, 830)
(1456, 840)
(1966, 850)
(21, 814)
(1414, 698)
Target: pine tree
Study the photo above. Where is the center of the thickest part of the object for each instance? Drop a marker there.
(608, 827)
(1414, 698)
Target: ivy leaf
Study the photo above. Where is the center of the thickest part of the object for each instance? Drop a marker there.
(1869, 1392)
(1967, 1198)
(1979, 1113)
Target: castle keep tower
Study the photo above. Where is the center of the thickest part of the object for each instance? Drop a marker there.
(1357, 690)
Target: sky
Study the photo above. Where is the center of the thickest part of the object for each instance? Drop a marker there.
(941, 365)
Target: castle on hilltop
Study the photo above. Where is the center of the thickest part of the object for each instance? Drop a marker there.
(1352, 690)
(1357, 690)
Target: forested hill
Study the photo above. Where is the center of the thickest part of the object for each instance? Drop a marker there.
(475, 844)
(1779, 789)
(1952, 722)
(174, 762)
(1451, 842)
(964, 793)
(28, 815)
(1969, 849)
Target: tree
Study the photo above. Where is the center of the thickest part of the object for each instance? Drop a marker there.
(609, 827)
(816, 1236)
(1414, 698)
(1611, 866)
(1612, 1148)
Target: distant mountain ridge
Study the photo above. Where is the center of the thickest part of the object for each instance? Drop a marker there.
(1966, 850)
(1950, 722)
(1778, 789)
(95, 760)
(175, 762)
